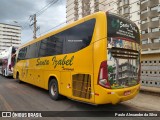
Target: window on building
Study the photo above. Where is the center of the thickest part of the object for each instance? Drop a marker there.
(154, 18)
(154, 8)
(143, 1)
(96, 0)
(126, 10)
(126, 1)
(120, 2)
(144, 42)
(144, 21)
(155, 29)
(144, 11)
(144, 31)
(120, 11)
(156, 40)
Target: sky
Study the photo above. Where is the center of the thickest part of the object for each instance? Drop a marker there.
(20, 11)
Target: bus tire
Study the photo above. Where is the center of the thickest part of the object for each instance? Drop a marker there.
(4, 73)
(53, 90)
(17, 76)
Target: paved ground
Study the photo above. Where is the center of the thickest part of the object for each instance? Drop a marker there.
(25, 97)
(150, 90)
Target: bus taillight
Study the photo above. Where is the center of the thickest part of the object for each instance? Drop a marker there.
(103, 75)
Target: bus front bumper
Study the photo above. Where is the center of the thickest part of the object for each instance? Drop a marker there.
(114, 96)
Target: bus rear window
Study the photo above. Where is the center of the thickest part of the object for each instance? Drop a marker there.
(123, 58)
(122, 28)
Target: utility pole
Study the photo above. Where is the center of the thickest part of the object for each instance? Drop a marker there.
(35, 28)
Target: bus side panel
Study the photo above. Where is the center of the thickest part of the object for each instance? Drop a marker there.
(39, 72)
(100, 44)
(70, 68)
(65, 83)
(99, 56)
(29, 71)
(39, 77)
(100, 53)
(82, 76)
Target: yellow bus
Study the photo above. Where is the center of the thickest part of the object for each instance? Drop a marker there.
(95, 60)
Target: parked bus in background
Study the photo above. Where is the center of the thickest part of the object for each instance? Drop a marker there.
(7, 60)
(0, 63)
(94, 60)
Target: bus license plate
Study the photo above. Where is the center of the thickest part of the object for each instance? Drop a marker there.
(127, 93)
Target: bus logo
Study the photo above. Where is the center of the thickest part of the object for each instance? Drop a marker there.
(115, 24)
(63, 61)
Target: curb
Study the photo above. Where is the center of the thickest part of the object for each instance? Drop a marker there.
(150, 90)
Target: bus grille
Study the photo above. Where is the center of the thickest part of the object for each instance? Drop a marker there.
(81, 85)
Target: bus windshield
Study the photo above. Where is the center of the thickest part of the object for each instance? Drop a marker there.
(123, 52)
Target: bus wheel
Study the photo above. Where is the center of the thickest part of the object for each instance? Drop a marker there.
(4, 72)
(53, 90)
(17, 76)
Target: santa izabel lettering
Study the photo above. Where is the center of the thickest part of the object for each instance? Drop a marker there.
(42, 62)
(64, 61)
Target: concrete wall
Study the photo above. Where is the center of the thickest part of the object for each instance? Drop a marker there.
(150, 70)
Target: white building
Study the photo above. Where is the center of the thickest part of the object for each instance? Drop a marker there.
(150, 29)
(10, 35)
(77, 9)
(128, 8)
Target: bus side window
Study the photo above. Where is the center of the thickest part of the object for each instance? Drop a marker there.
(22, 54)
(19, 55)
(37, 49)
(52, 45)
(42, 48)
(79, 37)
(31, 51)
(67, 41)
(13, 59)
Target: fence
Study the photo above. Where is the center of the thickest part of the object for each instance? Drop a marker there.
(150, 73)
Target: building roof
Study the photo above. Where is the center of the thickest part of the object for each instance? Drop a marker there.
(10, 24)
